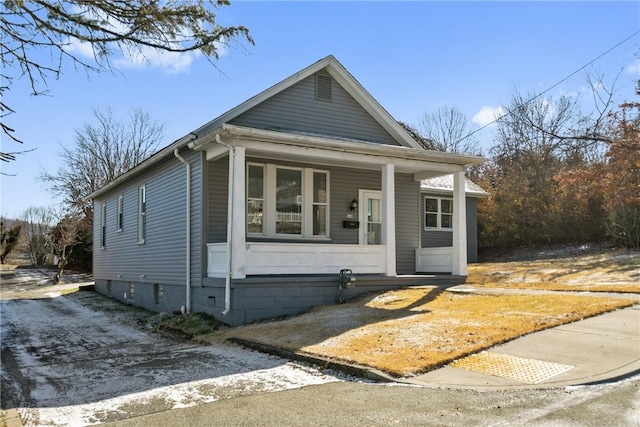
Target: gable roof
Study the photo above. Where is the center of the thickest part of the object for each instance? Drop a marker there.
(444, 185)
(340, 74)
(329, 64)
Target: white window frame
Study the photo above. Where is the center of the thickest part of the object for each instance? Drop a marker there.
(264, 195)
(103, 225)
(120, 213)
(269, 202)
(142, 214)
(439, 213)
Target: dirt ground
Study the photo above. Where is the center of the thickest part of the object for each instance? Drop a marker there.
(414, 330)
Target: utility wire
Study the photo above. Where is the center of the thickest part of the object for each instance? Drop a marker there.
(550, 88)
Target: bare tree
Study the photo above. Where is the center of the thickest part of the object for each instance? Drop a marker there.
(426, 143)
(8, 239)
(103, 151)
(63, 238)
(563, 122)
(106, 27)
(449, 130)
(37, 223)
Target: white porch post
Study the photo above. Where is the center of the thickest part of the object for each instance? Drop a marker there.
(238, 224)
(459, 266)
(389, 217)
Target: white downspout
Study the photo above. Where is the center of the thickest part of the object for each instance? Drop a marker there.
(227, 283)
(188, 281)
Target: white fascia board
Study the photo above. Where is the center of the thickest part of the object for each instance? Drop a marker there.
(343, 77)
(339, 155)
(155, 158)
(403, 153)
(369, 103)
(264, 95)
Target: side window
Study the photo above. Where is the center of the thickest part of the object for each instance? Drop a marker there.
(103, 225)
(438, 213)
(431, 212)
(142, 214)
(120, 216)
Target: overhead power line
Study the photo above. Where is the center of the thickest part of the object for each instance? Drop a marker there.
(553, 86)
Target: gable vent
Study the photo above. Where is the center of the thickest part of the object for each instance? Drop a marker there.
(323, 87)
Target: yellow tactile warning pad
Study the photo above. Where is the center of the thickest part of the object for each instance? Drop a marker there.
(530, 371)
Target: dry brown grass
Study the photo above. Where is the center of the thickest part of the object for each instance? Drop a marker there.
(414, 330)
(609, 272)
(410, 331)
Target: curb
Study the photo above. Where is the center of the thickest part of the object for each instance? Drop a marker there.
(347, 368)
(11, 416)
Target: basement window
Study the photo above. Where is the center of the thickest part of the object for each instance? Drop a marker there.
(323, 87)
(158, 293)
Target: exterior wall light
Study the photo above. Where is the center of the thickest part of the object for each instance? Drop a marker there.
(354, 204)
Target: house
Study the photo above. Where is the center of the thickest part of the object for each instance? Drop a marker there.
(435, 252)
(255, 214)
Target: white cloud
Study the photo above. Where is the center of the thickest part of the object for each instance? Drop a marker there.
(171, 62)
(487, 115)
(634, 68)
(145, 57)
(75, 46)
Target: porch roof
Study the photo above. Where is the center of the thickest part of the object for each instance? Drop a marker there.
(326, 149)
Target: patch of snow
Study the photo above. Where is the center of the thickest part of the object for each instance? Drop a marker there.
(86, 366)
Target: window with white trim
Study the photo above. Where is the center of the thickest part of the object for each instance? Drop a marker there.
(438, 213)
(103, 225)
(255, 198)
(142, 214)
(119, 213)
(287, 201)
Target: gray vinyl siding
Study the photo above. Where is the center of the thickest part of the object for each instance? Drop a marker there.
(437, 239)
(297, 109)
(407, 220)
(217, 190)
(344, 186)
(472, 229)
(161, 258)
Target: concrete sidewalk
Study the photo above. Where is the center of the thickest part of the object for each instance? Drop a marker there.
(599, 349)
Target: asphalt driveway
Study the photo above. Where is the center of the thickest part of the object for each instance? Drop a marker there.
(84, 359)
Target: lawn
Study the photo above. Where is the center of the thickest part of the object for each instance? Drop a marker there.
(414, 330)
(615, 271)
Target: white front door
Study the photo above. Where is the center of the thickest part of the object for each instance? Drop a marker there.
(370, 216)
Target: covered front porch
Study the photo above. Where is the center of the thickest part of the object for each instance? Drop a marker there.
(365, 239)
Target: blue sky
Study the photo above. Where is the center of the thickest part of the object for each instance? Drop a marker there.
(413, 57)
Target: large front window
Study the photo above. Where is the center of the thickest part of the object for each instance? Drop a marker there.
(438, 213)
(286, 201)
